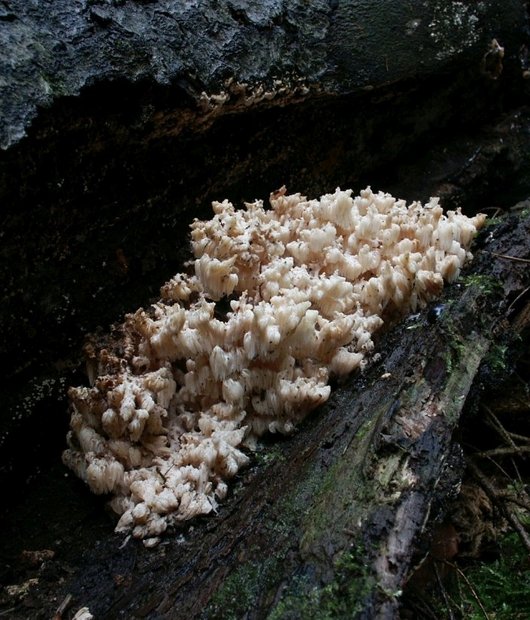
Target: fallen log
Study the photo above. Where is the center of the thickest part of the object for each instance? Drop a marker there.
(325, 523)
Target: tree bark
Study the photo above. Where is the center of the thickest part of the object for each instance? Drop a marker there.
(269, 51)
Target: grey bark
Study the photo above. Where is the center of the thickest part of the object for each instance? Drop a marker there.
(55, 49)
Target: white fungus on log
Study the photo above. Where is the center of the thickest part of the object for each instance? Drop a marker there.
(173, 408)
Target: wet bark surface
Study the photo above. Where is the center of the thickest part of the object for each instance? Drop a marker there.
(271, 50)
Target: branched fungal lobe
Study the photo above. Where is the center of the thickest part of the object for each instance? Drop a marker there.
(164, 424)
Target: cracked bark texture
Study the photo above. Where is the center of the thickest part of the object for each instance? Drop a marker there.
(55, 49)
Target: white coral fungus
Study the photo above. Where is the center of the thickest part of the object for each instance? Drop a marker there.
(308, 283)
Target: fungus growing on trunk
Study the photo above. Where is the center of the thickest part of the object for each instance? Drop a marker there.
(166, 422)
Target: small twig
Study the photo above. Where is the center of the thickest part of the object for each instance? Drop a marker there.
(473, 449)
(507, 257)
(456, 604)
(63, 607)
(501, 321)
(486, 484)
(519, 528)
(518, 497)
(524, 438)
(444, 593)
(517, 299)
(497, 425)
(513, 499)
(496, 211)
(514, 465)
(421, 608)
(461, 597)
(494, 495)
(470, 586)
(503, 452)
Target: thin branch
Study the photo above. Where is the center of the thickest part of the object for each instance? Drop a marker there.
(514, 465)
(519, 528)
(486, 484)
(444, 593)
(471, 588)
(492, 492)
(512, 498)
(503, 452)
(421, 607)
(524, 438)
(522, 294)
(514, 258)
(499, 467)
(496, 211)
(63, 607)
(495, 423)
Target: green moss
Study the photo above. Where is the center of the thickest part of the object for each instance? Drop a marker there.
(455, 352)
(468, 354)
(268, 455)
(492, 221)
(240, 590)
(232, 599)
(342, 598)
(458, 341)
(344, 503)
(496, 358)
(487, 285)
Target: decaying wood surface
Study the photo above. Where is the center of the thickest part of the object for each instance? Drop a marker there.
(325, 523)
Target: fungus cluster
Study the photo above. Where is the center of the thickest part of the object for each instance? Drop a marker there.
(306, 283)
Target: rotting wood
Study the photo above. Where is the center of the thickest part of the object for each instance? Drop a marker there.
(326, 522)
(93, 580)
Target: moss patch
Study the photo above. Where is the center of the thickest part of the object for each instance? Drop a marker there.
(342, 598)
(487, 285)
(239, 591)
